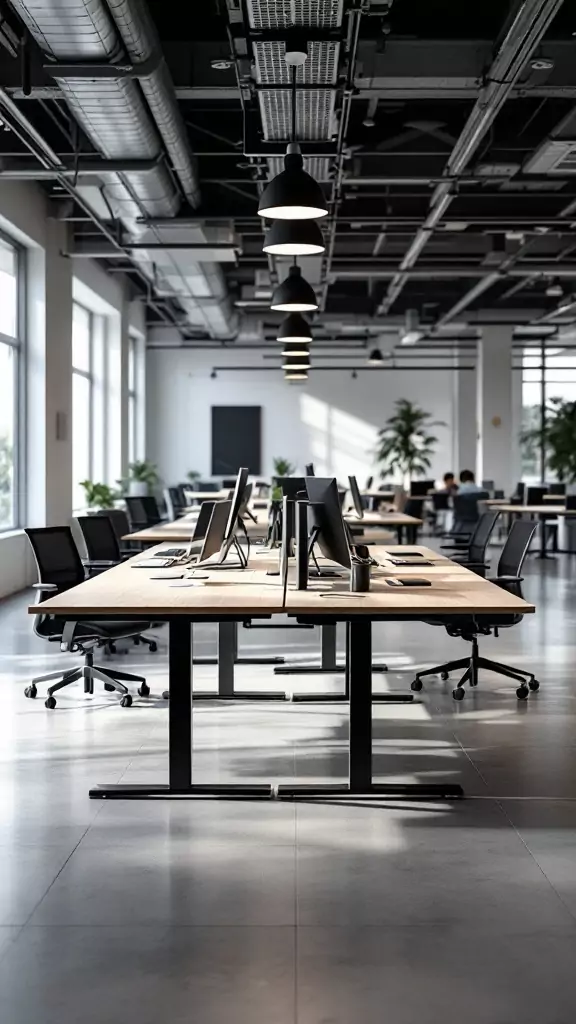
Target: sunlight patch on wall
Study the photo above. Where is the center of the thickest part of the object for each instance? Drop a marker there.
(339, 443)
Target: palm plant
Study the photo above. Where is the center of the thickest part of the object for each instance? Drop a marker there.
(99, 495)
(404, 444)
(282, 467)
(559, 435)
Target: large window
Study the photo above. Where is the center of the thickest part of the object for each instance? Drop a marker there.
(546, 374)
(82, 401)
(10, 376)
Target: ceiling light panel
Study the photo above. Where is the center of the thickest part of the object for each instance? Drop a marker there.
(320, 67)
(314, 114)
(269, 14)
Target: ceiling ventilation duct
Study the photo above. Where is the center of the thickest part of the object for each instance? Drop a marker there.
(116, 119)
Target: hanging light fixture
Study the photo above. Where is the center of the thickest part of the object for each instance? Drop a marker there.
(294, 238)
(294, 362)
(375, 358)
(294, 328)
(293, 194)
(296, 375)
(294, 295)
(295, 348)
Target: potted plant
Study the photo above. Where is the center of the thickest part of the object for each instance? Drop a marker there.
(141, 477)
(559, 435)
(405, 445)
(192, 475)
(282, 467)
(99, 495)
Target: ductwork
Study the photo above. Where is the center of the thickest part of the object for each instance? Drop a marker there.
(115, 117)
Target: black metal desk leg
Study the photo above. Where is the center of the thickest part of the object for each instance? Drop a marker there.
(180, 706)
(543, 552)
(328, 641)
(359, 658)
(227, 660)
(400, 530)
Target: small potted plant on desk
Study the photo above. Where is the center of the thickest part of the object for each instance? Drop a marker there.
(141, 477)
(282, 467)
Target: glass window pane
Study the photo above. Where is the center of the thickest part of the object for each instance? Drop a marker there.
(8, 290)
(81, 395)
(132, 365)
(8, 358)
(80, 338)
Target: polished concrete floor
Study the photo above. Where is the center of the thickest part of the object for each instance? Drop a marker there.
(320, 913)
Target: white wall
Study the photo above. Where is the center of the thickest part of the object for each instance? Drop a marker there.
(332, 420)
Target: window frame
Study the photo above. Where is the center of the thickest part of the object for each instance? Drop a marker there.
(18, 346)
(132, 393)
(89, 376)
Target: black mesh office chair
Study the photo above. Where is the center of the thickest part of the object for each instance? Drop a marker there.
(466, 512)
(59, 569)
(472, 554)
(174, 504)
(142, 512)
(469, 627)
(103, 550)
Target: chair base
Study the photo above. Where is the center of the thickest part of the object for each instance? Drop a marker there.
(471, 666)
(89, 673)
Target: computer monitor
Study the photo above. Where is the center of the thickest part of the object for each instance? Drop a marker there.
(214, 540)
(291, 486)
(420, 488)
(356, 496)
(326, 519)
(235, 506)
(309, 469)
(559, 489)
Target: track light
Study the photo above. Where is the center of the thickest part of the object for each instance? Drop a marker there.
(554, 290)
(294, 295)
(375, 358)
(294, 238)
(294, 328)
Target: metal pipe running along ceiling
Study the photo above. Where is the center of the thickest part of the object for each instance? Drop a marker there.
(523, 36)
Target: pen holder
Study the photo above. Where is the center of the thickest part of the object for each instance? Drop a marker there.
(360, 577)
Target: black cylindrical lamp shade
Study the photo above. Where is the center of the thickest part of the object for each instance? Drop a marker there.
(375, 358)
(294, 295)
(294, 328)
(294, 238)
(293, 194)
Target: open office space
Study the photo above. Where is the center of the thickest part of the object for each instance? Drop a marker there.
(287, 512)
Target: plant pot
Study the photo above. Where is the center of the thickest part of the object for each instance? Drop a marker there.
(137, 489)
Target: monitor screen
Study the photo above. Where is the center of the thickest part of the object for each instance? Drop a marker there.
(309, 470)
(237, 499)
(291, 485)
(326, 517)
(214, 539)
(356, 496)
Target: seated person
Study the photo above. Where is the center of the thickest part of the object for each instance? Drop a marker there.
(447, 485)
(468, 484)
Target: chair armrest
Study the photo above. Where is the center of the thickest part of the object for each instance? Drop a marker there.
(44, 586)
(98, 563)
(505, 581)
(474, 565)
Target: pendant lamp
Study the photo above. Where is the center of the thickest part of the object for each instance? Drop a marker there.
(293, 194)
(294, 362)
(295, 348)
(294, 328)
(294, 238)
(294, 295)
(296, 375)
(375, 358)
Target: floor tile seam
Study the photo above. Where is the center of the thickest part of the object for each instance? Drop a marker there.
(56, 876)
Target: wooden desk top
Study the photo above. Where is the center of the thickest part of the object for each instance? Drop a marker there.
(127, 591)
(558, 498)
(382, 519)
(373, 492)
(215, 495)
(550, 509)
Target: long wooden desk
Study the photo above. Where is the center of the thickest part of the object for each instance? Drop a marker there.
(207, 495)
(124, 592)
(541, 511)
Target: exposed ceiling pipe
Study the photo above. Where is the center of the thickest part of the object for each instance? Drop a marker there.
(482, 286)
(525, 32)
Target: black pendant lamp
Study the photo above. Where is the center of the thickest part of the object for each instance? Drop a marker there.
(375, 358)
(296, 375)
(294, 328)
(293, 194)
(295, 348)
(294, 238)
(297, 362)
(294, 295)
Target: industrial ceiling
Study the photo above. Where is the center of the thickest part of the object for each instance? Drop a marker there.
(443, 135)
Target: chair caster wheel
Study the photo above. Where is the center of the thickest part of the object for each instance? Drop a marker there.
(534, 685)
(50, 703)
(444, 676)
(31, 691)
(153, 647)
(166, 695)
(522, 692)
(458, 693)
(109, 687)
(144, 690)
(416, 685)
(126, 701)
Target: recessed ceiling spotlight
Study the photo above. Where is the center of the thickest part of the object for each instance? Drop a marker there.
(554, 290)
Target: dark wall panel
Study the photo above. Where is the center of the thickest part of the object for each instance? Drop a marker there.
(236, 439)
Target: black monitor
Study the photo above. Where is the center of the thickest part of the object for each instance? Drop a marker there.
(291, 486)
(235, 506)
(309, 469)
(356, 496)
(326, 519)
(214, 540)
(559, 489)
(420, 488)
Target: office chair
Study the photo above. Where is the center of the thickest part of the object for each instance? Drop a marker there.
(142, 512)
(369, 483)
(59, 569)
(103, 552)
(174, 504)
(466, 512)
(469, 627)
(472, 553)
(441, 508)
